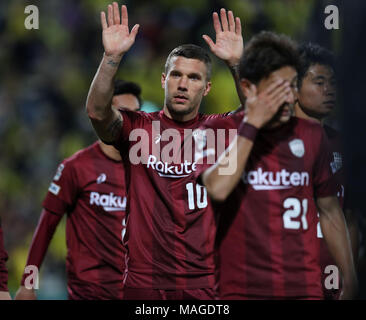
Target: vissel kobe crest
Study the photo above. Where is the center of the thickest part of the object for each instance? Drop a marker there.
(297, 147)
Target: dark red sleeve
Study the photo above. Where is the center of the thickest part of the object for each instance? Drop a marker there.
(41, 239)
(131, 120)
(63, 190)
(211, 141)
(324, 182)
(3, 270)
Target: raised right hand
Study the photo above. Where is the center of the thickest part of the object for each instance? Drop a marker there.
(25, 294)
(117, 39)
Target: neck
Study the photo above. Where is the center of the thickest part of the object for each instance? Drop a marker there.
(110, 151)
(301, 114)
(180, 117)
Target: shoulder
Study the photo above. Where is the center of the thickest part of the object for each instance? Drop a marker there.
(79, 157)
(309, 128)
(331, 133)
(222, 121)
(139, 115)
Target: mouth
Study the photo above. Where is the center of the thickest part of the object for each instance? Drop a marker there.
(329, 103)
(180, 98)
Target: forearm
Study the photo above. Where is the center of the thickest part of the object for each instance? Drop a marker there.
(234, 69)
(336, 235)
(98, 104)
(4, 295)
(42, 237)
(221, 178)
(353, 230)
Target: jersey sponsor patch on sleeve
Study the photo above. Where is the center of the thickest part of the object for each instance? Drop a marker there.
(54, 188)
(59, 172)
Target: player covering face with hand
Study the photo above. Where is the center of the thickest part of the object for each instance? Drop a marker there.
(272, 179)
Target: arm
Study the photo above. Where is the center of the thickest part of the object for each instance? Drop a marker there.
(42, 237)
(229, 44)
(260, 108)
(117, 40)
(337, 238)
(4, 294)
(353, 229)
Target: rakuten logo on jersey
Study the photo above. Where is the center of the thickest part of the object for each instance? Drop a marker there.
(171, 170)
(109, 202)
(267, 180)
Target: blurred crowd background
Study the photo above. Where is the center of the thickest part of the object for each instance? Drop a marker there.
(45, 75)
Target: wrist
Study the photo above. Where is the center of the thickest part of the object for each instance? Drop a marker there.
(233, 65)
(247, 130)
(112, 59)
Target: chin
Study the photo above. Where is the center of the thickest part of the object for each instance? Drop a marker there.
(180, 109)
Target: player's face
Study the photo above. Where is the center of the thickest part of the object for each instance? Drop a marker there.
(317, 94)
(185, 85)
(127, 101)
(286, 111)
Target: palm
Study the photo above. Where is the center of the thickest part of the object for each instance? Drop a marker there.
(117, 39)
(228, 46)
(229, 40)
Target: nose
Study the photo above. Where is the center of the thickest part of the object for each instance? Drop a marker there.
(183, 84)
(329, 89)
(293, 95)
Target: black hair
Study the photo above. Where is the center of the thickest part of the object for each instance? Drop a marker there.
(267, 52)
(126, 87)
(311, 54)
(191, 51)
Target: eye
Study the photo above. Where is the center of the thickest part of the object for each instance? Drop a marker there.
(194, 77)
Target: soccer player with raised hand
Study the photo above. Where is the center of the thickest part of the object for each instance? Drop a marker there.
(170, 228)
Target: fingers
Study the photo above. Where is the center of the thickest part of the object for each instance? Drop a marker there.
(134, 31)
(103, 20)
(284, 87)
(250, 91)
(237, 26)
(110, 15)
(209, 41)
(116, 17)
(273, 86)
(231, 21)
(224, 22)
(124, 15)
(216, 22)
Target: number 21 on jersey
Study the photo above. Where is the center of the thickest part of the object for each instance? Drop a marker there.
(295, 209)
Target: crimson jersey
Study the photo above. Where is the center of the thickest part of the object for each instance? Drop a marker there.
(89, 187)
(336, 165)
(3, 259)
(267, 246)
(170, 226)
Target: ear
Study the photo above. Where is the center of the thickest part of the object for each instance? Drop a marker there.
(163, 78)
(246, 87)
(207, 89)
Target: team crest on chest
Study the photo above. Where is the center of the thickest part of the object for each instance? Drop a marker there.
(297, 147)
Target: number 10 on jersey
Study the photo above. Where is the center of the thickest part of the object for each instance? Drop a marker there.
(197, 196)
